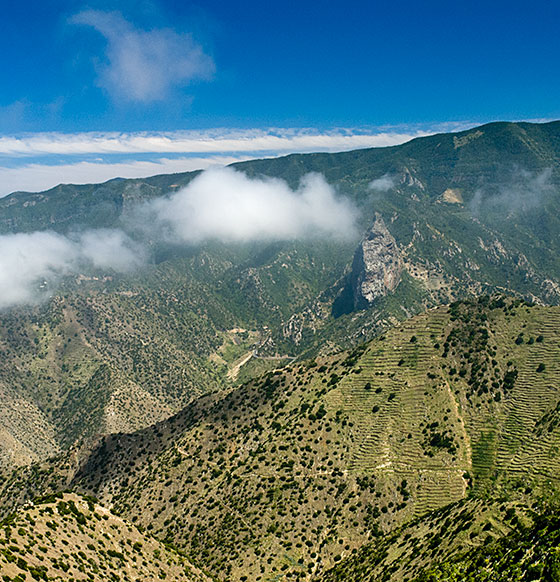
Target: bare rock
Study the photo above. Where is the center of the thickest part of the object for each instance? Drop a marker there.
(377, 266)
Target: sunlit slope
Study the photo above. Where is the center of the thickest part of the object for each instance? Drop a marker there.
(293, 471)
(67, 537)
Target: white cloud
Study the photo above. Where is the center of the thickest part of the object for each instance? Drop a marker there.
(27, 261)
(227, 205)
(383, 184)
(204, 142)
(111, 249)
(145, 65)
(31, 264)
(220, 203)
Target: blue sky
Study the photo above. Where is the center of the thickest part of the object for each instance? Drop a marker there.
(95, 90)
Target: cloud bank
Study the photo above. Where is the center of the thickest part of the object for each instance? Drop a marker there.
(144, 65)
(213, 141)
(219, 204)
(37, 162)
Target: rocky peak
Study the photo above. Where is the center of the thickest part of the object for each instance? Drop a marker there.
(377, 266)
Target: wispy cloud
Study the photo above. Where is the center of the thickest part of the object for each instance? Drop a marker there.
(519, 192)
(144, 65)
(383, 184)
(208, 141)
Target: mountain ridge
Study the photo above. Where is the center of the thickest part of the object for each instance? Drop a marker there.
(140, 187)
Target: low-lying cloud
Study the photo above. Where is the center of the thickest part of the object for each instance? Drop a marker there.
(227, 205)
(111, 249)
(31, 264)
(383, 184)
(219, 204)
(522, 191)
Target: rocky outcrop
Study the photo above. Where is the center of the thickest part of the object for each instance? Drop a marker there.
(304, 321)
(377, 266)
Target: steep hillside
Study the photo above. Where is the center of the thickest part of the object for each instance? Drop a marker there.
(292, 472)
(93, 362)
(443, 217)
(529, 553)
(470, 541)
(465, 528)
(67, 537)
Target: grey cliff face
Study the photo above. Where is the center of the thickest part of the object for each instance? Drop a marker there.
(377, 266)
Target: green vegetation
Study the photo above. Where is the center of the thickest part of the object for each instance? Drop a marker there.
(308, 463)
(440, 537)
(418, 454)
(528, 553)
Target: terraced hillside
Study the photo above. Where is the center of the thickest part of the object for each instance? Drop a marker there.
(292, 473)
(418, 549)
(68, 537)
